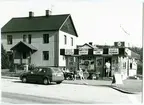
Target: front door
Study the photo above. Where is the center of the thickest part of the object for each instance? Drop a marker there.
(39, 76)
(30, 76)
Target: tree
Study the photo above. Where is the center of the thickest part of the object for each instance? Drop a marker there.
(138, 51)
(4, 58)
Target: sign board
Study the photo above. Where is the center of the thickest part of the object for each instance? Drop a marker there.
(119, 44)
(113, 51)
(98, 51)
(83, 51)
(128, 51)
(117, 79)
(17, 61)
(69, 51)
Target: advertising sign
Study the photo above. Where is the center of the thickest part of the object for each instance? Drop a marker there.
(98, 51)
(69, 51)
(113, 51)
(83, 51)
(119, 44)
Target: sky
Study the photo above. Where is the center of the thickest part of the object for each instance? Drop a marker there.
(96, 21)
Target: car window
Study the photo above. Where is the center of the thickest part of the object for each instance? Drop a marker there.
(41, 70)
(35, 70)
(48, 70)
(57, 70)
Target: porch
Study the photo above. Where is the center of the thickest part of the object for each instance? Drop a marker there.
(22, 53)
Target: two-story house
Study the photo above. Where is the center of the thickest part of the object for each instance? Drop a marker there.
(38, 39)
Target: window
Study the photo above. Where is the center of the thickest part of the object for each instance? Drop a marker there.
(130, 65)
(65, 39)
(71, 41)
(9, 39)
(24, 55)
(45, 55)
(29, 39)
(63, 57)
(124, 65)
(24, 38)
(45, 38)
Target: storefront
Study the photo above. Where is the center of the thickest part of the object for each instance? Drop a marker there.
(93, 59)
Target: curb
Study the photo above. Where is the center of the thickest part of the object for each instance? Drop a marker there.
(111, 86)
(124, 91)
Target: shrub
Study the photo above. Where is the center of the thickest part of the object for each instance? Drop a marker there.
(4, 58)
(139, 69)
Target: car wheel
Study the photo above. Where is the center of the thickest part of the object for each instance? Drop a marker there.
(59, 82)
(46, 81)
(24, 79)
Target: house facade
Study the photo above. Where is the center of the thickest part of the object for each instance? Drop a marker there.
(38, 39)
(93, 58)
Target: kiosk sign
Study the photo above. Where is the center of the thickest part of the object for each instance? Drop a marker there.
(98, 51)
(113, 51)
(83, 51)
(69, 51)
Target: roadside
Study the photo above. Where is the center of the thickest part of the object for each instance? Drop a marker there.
(130, 86)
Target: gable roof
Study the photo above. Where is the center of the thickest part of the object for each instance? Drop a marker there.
(26, 44)
(86, 44)
(33, 24)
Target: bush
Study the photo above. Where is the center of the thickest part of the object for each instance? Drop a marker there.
(12, 69)
(140, 69)
(4, 58)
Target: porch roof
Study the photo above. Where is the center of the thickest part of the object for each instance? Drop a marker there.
(23, 46)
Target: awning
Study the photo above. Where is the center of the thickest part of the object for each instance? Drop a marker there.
(23, 46)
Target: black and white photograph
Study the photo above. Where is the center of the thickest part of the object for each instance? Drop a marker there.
(71, 51)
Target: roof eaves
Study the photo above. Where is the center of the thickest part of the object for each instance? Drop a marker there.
(28, 31)
(74, 26)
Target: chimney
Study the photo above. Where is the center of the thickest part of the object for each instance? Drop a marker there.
(90, 43)
(31, 14)
(48, 12)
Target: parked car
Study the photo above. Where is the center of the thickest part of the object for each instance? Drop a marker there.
(44, 75)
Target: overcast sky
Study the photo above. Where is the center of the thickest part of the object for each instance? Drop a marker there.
(96, 21)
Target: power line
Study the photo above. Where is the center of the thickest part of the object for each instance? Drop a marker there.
(124, 30)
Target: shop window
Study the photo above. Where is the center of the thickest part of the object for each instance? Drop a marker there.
(124, 65)
(130, 65)
(63, 57)
(9, 39)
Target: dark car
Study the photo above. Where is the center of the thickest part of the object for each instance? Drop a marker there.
(44, 75)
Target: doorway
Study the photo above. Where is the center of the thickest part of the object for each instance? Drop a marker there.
(106, 59)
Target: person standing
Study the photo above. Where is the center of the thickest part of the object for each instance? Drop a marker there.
(74, 74)
(81, 74)
(108, 65)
